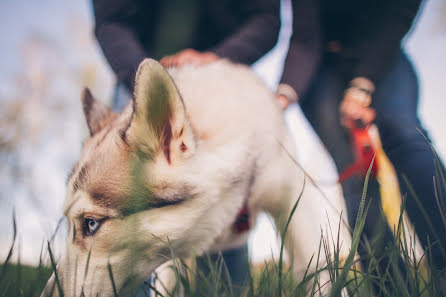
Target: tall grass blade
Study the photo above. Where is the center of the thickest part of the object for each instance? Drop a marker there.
(280, 273)
(425, 214)
(439, 193)
(19, 272)
(8, 257)
(87, 264)
(357, 231)
(110, 274)
(151, 287)
(315, 277)
(54, 267)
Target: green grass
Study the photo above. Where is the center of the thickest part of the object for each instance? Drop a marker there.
(270, 279)
(23, 280)
(389, 272)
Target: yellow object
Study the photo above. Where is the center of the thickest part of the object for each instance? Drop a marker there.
(391, 198)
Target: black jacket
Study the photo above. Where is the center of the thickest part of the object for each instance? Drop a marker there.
(131, 30)
(358, 38)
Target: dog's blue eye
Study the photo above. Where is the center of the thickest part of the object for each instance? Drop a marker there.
(91, 226)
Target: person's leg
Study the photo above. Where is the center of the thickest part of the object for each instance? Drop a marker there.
(237, 263)
(228, 267)
(321, 107)
(215, 272)
(396, 101)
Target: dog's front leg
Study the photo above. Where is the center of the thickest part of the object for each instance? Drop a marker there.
(167, 278)
(309, 223)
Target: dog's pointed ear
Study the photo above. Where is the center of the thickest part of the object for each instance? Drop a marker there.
(96, 113)
(159, 122)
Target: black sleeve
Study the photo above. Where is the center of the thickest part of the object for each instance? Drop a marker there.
(116, 31)
(305, 49)
(381, 42)
(256, 36)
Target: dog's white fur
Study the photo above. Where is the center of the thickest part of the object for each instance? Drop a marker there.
(229, 144)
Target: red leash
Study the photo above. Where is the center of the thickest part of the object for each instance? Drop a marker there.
(364, 152)
(242, 223)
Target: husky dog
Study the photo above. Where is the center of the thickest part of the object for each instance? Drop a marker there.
(173, 171)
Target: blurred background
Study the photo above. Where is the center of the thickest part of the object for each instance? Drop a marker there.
(48, 53)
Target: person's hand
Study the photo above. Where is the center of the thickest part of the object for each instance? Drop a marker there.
(356, 106)
(189, 56)
(283, 101)
(285, 95)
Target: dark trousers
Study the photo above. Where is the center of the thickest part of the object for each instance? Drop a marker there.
(231, 267)
(395, 102)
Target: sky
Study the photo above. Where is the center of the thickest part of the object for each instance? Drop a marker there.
(49, 54)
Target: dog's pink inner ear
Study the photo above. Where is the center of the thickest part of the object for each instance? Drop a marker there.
(159, 122)
(158, 107)
(96, 113)
(167, 138)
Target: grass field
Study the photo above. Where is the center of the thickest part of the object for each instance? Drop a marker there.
(23, 280)
(390, 271)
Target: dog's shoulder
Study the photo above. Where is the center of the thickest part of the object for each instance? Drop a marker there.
(227, 100)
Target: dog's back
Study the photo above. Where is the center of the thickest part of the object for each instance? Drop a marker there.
(229, 106)
(226, 101)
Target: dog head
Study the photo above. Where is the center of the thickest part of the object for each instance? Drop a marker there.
(135, 193)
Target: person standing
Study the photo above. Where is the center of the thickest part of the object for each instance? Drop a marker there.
(193, 31)
(345, 63)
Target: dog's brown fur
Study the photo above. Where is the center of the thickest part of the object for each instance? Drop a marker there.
(174, 169)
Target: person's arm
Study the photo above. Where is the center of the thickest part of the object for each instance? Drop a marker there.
(115, 31)
(381, 41)
(256, 36)
(376, 49)
(305, 50)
